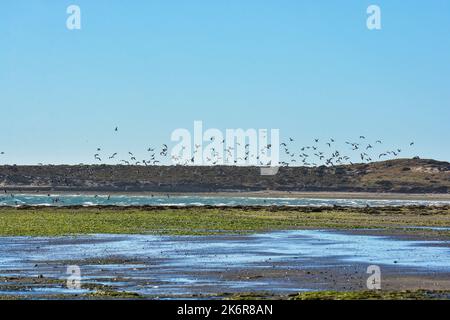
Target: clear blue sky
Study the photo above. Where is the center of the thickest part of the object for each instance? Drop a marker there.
(310, 68)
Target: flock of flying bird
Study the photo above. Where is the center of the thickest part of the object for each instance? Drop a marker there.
(316, 154)
(151, 160)
(313, 156)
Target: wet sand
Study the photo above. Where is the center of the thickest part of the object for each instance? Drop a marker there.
(274, 264)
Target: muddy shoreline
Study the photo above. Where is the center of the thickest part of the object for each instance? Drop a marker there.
(409, 209)
(160, 274)
(210, 252)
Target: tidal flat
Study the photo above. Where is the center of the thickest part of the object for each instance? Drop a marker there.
(225, 252)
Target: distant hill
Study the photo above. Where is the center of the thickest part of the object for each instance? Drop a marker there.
(401, 176)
